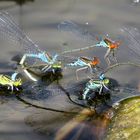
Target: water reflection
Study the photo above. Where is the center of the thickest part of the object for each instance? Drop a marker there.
(19, 2)
(90, 126)
(105, 16)
(136, 1)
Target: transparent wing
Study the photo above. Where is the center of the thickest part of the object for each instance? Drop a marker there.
(69, 26)
(131, 37)
(9, 28)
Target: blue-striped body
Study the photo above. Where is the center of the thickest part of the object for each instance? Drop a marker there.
(44, 57)
(102, 43)
(79, 62)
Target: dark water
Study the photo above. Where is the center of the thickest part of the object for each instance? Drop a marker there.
(39, 20)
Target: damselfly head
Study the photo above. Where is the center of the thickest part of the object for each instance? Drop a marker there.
(18, 82)
(116, 44)
(106, 81)
(95, 60)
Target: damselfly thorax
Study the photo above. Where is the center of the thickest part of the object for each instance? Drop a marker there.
(93, 62)
(112, 44)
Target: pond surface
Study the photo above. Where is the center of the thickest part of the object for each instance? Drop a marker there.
(40, 20)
